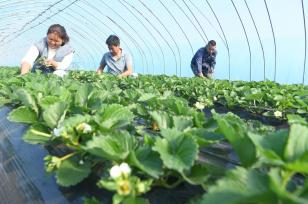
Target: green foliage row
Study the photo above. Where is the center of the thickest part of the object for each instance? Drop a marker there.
(258, 97)
(101, 121)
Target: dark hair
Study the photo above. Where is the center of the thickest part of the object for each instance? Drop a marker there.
(211, 43)
(60, 30)
(113, 40)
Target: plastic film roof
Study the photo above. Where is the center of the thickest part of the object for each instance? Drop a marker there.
(256, 39)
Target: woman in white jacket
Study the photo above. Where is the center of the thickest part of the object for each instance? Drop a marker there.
(52, 54)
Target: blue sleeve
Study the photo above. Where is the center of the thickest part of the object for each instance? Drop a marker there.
(198, 58)
(214, 60)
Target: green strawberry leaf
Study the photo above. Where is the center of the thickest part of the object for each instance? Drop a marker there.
(55, 113)
(23, 114)
(37, 134)
(27, 99)
(113, 147)
(236, 132)
(162, 119)
(147, 160)
(197, 175)
(182, 123)
(71, 173)
(114, 116)
(177, 151)
(240, 186)
(297, 144)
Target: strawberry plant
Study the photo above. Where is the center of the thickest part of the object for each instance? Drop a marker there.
(135, 134)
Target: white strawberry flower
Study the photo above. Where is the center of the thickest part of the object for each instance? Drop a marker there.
(87, 128)
(125, 169)
(115, 172)
(215, 98)
(57, 131)
(120, 170)
(81, 162)
(199, 105)
(278, 114)
(84, 128)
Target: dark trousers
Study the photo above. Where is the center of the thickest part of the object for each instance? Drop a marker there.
(205, 71)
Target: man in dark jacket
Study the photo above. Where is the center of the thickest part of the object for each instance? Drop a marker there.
(203, 62)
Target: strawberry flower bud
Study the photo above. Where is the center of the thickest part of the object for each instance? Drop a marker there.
(84, 128)
(199, 105)
(141, 187)
(277, 114)
(57, 131)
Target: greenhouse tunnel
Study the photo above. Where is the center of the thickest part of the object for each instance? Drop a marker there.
(257, 40)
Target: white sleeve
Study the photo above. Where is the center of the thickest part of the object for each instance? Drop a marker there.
(31, 55)
(63, 65)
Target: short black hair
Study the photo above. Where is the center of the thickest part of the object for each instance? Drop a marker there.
(212, 43)
(113, 40)
(60, 30)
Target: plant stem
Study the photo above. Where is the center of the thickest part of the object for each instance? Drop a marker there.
(40, 133)
(163, 183)
(68, 156)
(286, 178)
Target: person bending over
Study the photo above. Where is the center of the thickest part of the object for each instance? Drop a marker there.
(203, 62)
(117, 61)
(52, 54)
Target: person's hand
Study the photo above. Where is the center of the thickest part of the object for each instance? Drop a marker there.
(99, 71)
(201, 75)
(52, 63)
